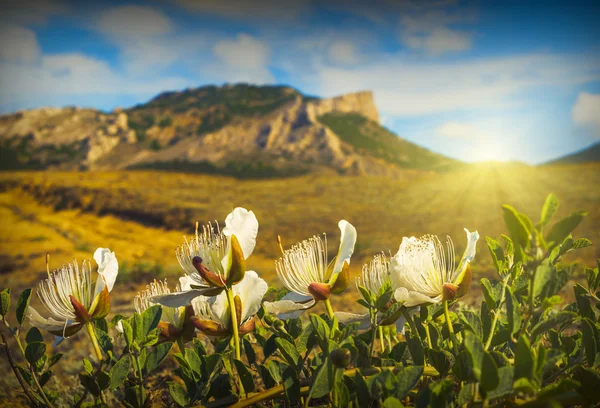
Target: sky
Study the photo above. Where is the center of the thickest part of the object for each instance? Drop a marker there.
(476, 81)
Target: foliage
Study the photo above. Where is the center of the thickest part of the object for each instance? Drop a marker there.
(525, 346)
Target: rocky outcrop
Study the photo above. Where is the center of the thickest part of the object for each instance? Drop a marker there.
(359, 102)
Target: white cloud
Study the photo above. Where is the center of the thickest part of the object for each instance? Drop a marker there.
(431, 31)
(134, 21)
(404, 87)
(586, 111)
(343, 52)
(272, 11)
(18, 44)
(243, 59)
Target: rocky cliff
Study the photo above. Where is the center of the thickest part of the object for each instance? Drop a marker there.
(273, 129)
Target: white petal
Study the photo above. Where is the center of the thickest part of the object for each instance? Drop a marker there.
(185, 283)
(347, 242)
(347, 318)
(219, 306)
(251, 291)
(469, 253)
(119, 326)
(413, 298)
(287, 308)
(178, 299)
(244, 225)
(48, 324)
(108, 268)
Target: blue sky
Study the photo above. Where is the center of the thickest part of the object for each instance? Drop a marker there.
(472, 80)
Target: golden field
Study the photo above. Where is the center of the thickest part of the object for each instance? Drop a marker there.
(142, 216)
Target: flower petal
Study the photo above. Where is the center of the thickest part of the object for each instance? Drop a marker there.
(467, 257)
(108, 268)
(347, 242)
(290, 306)
(178, 299)
(244, 225)
(251, 291)
(348, 318)
(413, 298)
(56, 327)
(219, 306)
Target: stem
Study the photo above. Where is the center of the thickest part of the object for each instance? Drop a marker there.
(94, 339)
(374, 326)
(381, 339)
(329, 308)
(37, 383)
(450, 327)
(426, 327)
(496, 315)
(411, 322)
(181, 346)
(17, 373)
(137, 368)
(234, 324)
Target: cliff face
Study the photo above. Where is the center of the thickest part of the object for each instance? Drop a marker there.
(269, 127)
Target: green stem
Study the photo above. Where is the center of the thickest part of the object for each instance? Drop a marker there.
(181, 346)
(426, 327)
(450, 327)
(92, 333)
(138, 373)
(329, 308)
(234, 324)
(380, 329)
(411, 322)
(374, 334)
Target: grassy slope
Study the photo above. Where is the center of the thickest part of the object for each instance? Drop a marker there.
(371, 138)
(589, 154)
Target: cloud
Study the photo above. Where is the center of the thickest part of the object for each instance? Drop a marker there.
(31, 11)
(407, 88)
(243, 59)
(18, 44)
(273, 11)
(343, 52)
(586, 111)
(430, 31)
(134, 21)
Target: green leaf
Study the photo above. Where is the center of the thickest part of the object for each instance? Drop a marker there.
(552, 320)
(517, 230)
(87, 366)
(384, 299)
(150, 320)
(398, 351)
(179, 394)
(590, 383)
(4, 302)
(288, 351)
(320, 326)
(23, 305)
(416, 349)
(475, 349)
(118, 372)
(34, 334)
(212, 364)
(391, 402)
(505, 384)
(367, 295)
(193, 361)
(472, 322)
(363, 393)
(497, 254)
(244, 376)
(34, 351)
(104, 339)
(466, 394)
(249, 351)
(488, 293)
(127, 332)
(442, 360)
(407, 377)
(524, 362)
(549, 208)
(199, 347)
(564, 227)
(513, 314)
(489, 373)
(581, 243)
(54, 359)
(591, 340)
(324, 380)
(543, 276)
(156, 356)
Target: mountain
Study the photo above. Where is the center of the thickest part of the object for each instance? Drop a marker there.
(587, 155)
(241, 130)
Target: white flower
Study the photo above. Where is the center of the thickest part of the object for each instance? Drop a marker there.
(72, 299)
(214, 259)
(305, 270)
(423, 272)
(213, 315)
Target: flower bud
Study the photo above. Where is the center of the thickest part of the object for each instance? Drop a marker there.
(341, 357)
(278, 324)
(320, 291)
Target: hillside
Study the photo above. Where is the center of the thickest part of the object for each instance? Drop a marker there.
(239, 130)
(587, 155)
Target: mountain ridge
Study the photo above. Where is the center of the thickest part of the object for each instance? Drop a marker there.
(232, 129)
(586, 155)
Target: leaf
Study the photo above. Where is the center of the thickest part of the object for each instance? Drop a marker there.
(383, 299)
(517, 230)
(548, 209)
(34, 334)
(505, 383)
(150, 320)
(475, 349)
(324, 380)
(320, 326)
(591, 340)
(398, 351)
(193, 361)
(104, 339)
(472, 322)
(442, 360)
(34, 351)
(543, 275)
(524, 363)
(178, 394)
(87, 366)
(497, 254)
(590, 383)
(564, 227)
(551, 321)
(249, 351)
(23, 305)
(212, 364)
(288, 351)
(367, 295)
(391, 402)
(416, 349)
(513, 314)
(156, 356)
(4, 302)
(363, 394)
(118, 372)
(244, 376)
(127, 332)
(342, 395)
(489, 376)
